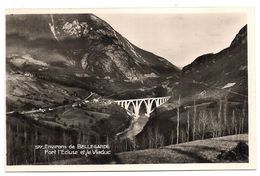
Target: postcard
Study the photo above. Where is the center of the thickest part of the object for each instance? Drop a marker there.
(130, 89)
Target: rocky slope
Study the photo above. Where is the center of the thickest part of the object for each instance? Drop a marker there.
(80, 51)
(226, 70)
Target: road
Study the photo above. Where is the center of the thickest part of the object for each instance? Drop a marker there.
(49, 109)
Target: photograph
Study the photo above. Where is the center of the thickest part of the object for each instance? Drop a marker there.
(129, 87)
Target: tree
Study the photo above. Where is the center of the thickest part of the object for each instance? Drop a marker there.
(194, 118)
(188, 126)
(134, 143)
(178, 120)
(214, 124)
(156, 136)
(244, 116)
(225, 112)
(172, 136)
(150, 137)
(219, 117)
(232, 122)
(203, 120)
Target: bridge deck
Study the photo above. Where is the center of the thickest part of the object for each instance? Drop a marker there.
(138, 99)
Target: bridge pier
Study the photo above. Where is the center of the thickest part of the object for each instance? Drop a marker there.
(137, 106)
(127, 103)
(148, 106)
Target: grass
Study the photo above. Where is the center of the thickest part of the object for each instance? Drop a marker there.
(200, 151)
(26, 93)
(83, 117)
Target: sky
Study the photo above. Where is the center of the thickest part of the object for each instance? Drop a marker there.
(179, 38)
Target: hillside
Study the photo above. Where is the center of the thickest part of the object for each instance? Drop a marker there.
(83, 45)
(213, 99)
(53, 62)
(229, 149)
(212, 75)
(79, 52)
(92, 123)
(201, 151)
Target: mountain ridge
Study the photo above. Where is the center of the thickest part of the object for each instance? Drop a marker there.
(99, 39)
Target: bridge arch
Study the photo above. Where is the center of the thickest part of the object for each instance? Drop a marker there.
(134, 105)
(150, 106)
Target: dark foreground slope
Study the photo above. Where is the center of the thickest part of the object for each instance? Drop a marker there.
(228, 149)
(201, 151)
(211, 98)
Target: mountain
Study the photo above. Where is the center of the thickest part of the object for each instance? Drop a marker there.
(53, 62)
(217, 73)
(211, 97)
(83, 42)
(76, 52)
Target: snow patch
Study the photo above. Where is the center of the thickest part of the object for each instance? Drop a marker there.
(243, 67)
(81, 75)
(228, 85)
(84, 62)
(150, 75)
(203, 93)
(132, 49)
(52, 27)
(76, 29)
(27, 59)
